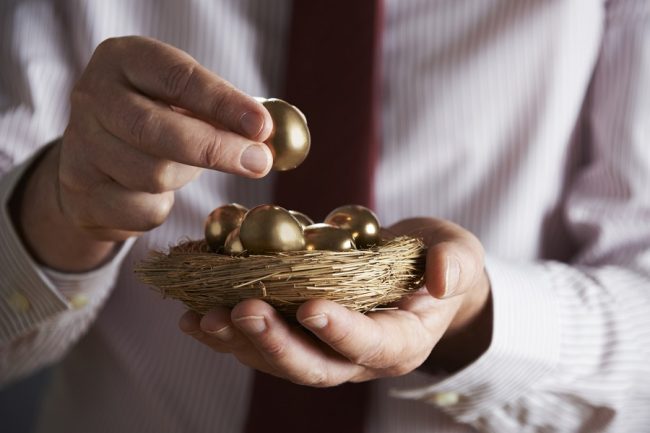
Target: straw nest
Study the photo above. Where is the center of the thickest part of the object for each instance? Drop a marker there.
(361, 280)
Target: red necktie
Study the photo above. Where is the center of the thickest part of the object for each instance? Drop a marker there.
(332, 76)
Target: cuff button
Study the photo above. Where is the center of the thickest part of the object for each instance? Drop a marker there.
(445, 399)
(18, 302)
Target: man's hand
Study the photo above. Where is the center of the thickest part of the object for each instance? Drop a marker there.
(145, 118)
(345, 346)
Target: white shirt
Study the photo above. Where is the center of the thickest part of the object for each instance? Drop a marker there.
(527, 122)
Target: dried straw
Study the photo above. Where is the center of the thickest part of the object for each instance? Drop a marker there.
(361, 280)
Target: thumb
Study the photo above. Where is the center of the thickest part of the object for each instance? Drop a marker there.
(455, 257)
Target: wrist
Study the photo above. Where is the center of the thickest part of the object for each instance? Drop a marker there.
(473, 307)
(49, 236)
(469, 334)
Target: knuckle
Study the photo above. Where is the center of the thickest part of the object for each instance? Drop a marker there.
(142, 126)
(109, 47)
(177, 78)
(396, 371)
(315, 377)
(106, 46)
(160, 180)
(339, 338)
(211, 151)
(275, 349)
(372, 357)
(159, 211)
(220, 105)
(403, 368)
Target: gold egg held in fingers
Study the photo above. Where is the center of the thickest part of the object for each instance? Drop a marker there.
(327, 237)
(290, 140)
(221, 222)
(269, 228)
(360, 221)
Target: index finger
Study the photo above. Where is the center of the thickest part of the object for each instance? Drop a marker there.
(173, 76)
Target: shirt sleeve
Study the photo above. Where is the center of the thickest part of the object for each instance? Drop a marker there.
(42, 312)
(571, 347)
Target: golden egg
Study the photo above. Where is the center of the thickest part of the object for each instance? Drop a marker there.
(269, 228)
(303, 219)
(221, 222)
(233, 243)
(290, 140)
(327, 237)
(360, 221)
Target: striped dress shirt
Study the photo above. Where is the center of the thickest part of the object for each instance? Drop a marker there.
(525, 121)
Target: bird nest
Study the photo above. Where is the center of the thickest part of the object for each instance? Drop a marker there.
(361, 280)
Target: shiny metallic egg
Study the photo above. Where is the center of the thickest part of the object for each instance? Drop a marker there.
(327, 237)
(290, 140)
(360, 221)
(303, 219)
(221, 222)
(269, 228)
(233, 243)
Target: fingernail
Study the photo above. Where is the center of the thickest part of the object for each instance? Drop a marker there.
(251, 123)
(452, 275)
(317, 321)
(224, 334)
(255, 158)
(252, 324)
(188, 322)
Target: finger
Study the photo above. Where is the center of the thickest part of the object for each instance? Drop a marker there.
(217, 324)
(106, 205)
(454, 261)
(216, 331)
(137, 170)
(385, 341)
(171, 75)
(96, 203)
(113, 235)
(287, 350)
(162, 132)
(220, 334)
(189, 324)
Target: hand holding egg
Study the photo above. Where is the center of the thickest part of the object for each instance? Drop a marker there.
(290, 140)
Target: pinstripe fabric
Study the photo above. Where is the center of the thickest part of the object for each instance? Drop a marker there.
(524, 121)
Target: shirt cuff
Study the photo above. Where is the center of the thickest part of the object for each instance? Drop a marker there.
(525, 345)
(30, 294)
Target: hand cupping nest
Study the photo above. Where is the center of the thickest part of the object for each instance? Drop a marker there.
(283, 258)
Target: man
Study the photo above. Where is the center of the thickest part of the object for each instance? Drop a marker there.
(521, 121)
